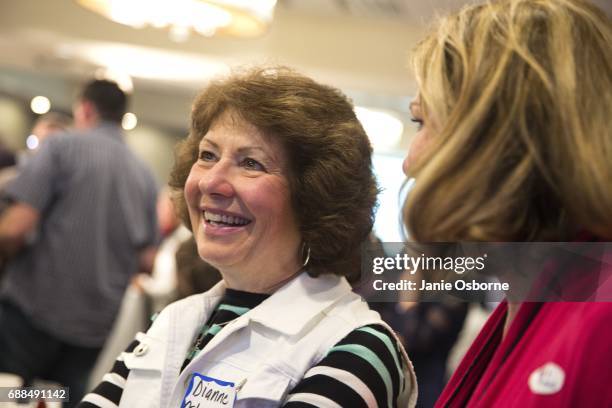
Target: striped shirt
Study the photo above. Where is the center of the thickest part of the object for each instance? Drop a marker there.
(362, 370)
(96, 201)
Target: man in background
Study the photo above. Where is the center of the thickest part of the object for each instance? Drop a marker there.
(82, 223)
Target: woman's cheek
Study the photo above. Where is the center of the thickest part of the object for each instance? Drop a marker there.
(416, 148)
(191, 189)
(406, 164)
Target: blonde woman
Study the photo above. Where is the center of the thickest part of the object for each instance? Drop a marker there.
(515, 144)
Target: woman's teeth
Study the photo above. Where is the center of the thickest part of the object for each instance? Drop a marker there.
(224, 219)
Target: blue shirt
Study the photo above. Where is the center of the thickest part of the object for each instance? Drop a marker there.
(97, 205)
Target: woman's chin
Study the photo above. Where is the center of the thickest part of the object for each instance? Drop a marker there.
(219, 259)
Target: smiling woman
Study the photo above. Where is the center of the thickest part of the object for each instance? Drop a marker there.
(312, 127)
(239, 206)
(275, 180)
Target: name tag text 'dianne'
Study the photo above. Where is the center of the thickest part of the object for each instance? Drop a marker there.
(204, 392)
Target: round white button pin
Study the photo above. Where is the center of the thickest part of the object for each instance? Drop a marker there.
(547, 379)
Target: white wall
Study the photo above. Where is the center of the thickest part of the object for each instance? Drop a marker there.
(155, 147)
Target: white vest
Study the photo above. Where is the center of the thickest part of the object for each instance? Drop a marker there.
(265, 352)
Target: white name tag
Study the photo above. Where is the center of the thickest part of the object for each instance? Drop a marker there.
(205, 391)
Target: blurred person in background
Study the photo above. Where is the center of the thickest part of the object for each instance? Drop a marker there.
(515, 145)
(8, 160)
(44, 126)
(91, 202)
(160, 286)
(7, 156)
(275, 180)
(429, 331)
(194, 275)
(49, 124)
(148, 293)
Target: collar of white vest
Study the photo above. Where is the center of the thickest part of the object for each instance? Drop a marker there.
(295, 304)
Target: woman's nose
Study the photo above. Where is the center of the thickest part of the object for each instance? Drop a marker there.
(217, 181)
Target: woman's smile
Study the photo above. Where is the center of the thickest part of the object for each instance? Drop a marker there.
(219, 223)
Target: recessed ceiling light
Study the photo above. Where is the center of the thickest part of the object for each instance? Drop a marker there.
(40, 104)
(129, 121)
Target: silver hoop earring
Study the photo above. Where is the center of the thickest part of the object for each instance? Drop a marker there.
(307, 254)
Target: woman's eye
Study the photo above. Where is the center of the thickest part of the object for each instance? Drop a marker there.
(252, 164)
(419, 123)
(205, 155)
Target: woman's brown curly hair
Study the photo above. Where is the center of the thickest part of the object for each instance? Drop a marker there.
(333, 189)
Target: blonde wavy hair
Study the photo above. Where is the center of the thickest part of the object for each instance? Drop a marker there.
(519, 94)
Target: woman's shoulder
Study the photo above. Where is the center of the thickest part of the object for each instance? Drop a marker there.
(365, 368)
(581, 315)
(374, 342)
(379, 331)
(580, 328)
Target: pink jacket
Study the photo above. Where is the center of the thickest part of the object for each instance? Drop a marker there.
(556, 354)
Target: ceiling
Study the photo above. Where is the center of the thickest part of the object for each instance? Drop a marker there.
(49, 47)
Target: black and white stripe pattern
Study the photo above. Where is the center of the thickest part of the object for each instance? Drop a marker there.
(362, 370)
(108, 393)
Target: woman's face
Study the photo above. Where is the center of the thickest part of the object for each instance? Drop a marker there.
(238, 198)
(421, 138)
